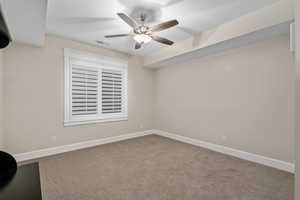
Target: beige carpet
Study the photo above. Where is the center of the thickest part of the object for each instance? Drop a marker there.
(157, 168)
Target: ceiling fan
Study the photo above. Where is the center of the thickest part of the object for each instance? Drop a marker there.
(143, 34)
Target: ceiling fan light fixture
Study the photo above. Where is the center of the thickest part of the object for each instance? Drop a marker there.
(142, 38)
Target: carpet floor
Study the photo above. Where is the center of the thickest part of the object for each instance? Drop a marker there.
(157, 168)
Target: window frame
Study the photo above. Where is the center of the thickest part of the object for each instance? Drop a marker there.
(101, 62)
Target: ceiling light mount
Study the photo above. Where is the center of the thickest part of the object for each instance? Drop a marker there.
(145, 15)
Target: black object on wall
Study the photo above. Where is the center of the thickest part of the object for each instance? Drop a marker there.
(8, 169)
(4, 33)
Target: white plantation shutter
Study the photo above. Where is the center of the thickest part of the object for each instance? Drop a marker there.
(84, 91)
(111, 91)
(95, 89)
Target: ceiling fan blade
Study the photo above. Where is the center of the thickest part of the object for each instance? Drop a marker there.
(162, 40)
(128, 20)
(138, 45)
(163, 26)
(118, 35)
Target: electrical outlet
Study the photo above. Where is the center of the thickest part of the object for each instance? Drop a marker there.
(224, 137)
(53, 138)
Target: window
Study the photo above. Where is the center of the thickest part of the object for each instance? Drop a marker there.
(95, 88)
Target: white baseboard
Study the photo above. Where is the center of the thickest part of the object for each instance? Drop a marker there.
(22, 157)
(278, 164)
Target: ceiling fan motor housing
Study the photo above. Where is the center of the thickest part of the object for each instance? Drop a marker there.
(142, 30)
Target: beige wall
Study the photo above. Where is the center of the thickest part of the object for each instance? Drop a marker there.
(240, 98)
(1, 102)
(34, 98)
(297, 120)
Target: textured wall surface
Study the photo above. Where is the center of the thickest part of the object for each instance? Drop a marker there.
(240, 98)
(1, 101)
(297, 120)
(34, 97)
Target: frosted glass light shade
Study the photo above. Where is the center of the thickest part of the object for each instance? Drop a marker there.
(142, 38)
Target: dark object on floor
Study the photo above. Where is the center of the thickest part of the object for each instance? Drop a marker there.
(25, 184)
(4, 32)
(8, 169)
(4, 41)
(7, 162)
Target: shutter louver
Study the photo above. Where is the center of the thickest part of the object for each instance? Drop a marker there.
(111, 91)
(84, 91)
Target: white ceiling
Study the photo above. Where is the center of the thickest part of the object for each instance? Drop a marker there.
(250, 38)
(26, 20)
(89, 20)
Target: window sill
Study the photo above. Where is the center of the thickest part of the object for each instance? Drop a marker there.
(75, 122)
